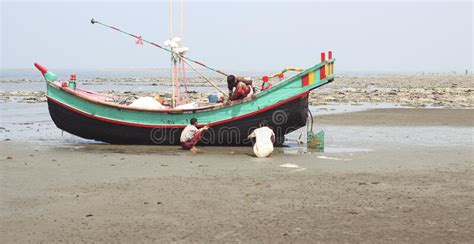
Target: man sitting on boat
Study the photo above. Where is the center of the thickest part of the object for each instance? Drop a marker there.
(239, 87)
(191, 136)
(264, 139)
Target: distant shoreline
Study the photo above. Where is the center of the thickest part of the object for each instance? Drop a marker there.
(448, 91)
(7, 75)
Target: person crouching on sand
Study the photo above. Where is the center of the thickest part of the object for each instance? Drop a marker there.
(191, 136)
(265, 138)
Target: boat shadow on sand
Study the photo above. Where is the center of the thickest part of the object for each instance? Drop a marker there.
(174, 150)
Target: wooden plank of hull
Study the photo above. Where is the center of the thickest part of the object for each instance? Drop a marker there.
(284, 118)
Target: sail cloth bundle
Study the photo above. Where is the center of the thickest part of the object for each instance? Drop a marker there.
(154, 103)
(148, 103)
(191, 105)
(175, 46)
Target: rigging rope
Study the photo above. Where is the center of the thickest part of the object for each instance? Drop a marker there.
(204, 77)
(185, 80)
(93, 21)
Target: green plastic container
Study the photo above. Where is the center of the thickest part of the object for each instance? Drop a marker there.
(316, 140)
(72, 85)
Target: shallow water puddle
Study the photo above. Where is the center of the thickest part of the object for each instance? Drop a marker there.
(289, 166)
(293, 166)
(334, 158)
(346, 150)
(335, 108)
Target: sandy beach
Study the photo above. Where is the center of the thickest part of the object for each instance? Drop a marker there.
(371, 105)
(387, 175)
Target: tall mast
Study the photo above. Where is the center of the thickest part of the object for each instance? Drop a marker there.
(181, 22)
(173, 100)
(180, 67)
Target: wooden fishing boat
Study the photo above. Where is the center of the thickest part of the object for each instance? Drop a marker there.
(91, 115)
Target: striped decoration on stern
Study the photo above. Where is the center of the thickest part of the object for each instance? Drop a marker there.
(307, 79)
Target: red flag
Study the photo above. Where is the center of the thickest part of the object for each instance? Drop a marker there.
(139, 41)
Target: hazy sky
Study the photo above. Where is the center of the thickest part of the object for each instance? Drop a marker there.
(252, 36)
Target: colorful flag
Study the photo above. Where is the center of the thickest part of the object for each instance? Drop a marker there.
(139, 41)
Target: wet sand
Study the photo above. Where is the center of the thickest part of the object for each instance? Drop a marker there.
(402, 117)
(401, 189)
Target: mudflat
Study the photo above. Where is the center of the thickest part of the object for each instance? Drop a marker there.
(398, 190)
(447, 91)
(402, 117)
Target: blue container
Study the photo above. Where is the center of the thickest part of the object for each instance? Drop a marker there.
(213, 98)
